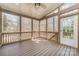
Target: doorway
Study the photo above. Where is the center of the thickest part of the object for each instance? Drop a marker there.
(68, 31)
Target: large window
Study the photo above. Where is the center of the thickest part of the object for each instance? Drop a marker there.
(10, 23)
(50, 25)
(26, 27)
(35, 25)
(43, 25)
(43, 28)
(55, 23)
(35, 28)
(26, 24)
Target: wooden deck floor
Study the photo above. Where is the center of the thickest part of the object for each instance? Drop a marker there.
(43, 48)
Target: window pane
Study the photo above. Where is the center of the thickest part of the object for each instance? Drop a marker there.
(43, 28)
(49, 27)
(35, 25)
(55, 23)
(35, 28)
(50, 24)
(26, 27)
(66, 5)
(26, 24)
(43, 25)
(10, 23)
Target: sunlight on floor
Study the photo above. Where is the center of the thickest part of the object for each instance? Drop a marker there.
(37, 40)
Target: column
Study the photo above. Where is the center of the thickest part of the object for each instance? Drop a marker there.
(0, 26)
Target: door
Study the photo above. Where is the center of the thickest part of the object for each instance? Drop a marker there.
(69, 31)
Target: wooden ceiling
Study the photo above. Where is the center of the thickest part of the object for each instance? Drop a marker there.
(30, 9)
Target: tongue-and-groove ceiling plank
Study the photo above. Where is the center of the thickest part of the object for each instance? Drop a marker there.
(30, 9)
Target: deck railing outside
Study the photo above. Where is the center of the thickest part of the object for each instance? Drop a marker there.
(17, 36)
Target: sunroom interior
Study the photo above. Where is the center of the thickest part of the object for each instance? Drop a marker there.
(39, 29)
